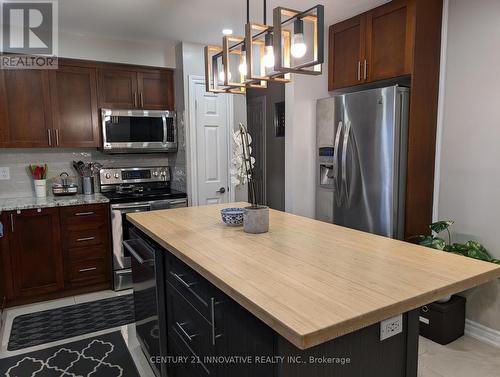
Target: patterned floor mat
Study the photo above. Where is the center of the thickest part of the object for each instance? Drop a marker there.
(69, 321)
(102, 356)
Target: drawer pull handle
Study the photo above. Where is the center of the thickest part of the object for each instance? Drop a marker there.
(186, 334)
(88, 269)
(179, 278)
(84, 213)
(85, 239)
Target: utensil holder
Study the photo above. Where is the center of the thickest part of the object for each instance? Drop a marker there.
(88, 185)
(40, 188)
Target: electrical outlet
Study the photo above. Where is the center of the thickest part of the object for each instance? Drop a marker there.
(391, 327)
(4, 173)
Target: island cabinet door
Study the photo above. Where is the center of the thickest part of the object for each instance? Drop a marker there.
(35, 249)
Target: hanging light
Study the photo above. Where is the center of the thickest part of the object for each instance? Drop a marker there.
(267, 53)
(285, 20)
(269, 56)
(299, 48)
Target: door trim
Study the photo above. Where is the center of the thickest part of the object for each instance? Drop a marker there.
(191, 145)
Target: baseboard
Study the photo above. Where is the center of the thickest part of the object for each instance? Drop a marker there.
(482, 333)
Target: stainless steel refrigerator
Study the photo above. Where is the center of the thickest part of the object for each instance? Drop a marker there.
(361, 160)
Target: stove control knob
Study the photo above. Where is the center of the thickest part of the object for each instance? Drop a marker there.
(117, 175)
(155, 174)
(163, 173)
(108, 176)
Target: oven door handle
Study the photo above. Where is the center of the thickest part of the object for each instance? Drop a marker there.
(127, 207)
(128, 245)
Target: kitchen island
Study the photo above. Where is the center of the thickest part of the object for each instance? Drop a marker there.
(305, 289)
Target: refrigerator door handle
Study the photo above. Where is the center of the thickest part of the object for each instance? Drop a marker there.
(347, 134)
(338, 196)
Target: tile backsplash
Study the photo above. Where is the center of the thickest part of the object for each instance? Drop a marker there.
(60, 160)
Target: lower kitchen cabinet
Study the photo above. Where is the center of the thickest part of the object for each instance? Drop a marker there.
(205, 329)
(35, 248)
(209, 334)
(55, 252)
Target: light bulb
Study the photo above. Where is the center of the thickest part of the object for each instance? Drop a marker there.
(243, 66)
(299, 48)
(222, 76)
(269, 57)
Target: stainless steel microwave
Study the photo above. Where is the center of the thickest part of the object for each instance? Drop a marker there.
(138, 131)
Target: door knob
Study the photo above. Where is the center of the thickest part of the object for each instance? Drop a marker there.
(222, 190)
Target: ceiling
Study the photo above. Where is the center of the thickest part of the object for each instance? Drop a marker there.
(199, 21)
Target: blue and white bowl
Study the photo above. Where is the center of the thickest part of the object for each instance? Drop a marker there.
(232, 216)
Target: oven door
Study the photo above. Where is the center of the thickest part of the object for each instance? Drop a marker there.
(140, 131)
(120, 232)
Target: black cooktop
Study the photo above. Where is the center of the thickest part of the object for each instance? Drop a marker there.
(148, 194)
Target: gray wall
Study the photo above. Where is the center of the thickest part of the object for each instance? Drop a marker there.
(470, 151)
(275, 147)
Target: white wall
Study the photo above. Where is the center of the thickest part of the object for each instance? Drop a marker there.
(191, 62)
(79, 46)
(301, 95)
(470, 150)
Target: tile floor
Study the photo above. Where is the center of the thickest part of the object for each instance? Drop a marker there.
(127, 331)
(465, 357)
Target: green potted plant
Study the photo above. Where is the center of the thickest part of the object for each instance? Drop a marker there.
(471, 249)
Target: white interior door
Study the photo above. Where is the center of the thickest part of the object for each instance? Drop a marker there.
(211, 132)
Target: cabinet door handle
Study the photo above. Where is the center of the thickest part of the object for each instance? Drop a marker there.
(84, 213)
(57, 137)
(135, 99)
(180, 326)
(88, 269)
(85, 239)
(12, 222)
(49, 135)
(366, 71)
(142, 99)
(359, 70)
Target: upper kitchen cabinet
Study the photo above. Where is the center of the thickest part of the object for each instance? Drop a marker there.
(136, 89)
(156, 90)
(347, 44)
(25, 113)
(117, 89)
(74, 107)
(373, 46)
(389, 40)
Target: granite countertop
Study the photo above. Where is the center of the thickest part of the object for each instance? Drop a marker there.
(13, 204)
(308, 280)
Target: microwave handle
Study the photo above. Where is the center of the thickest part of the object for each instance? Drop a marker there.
(165, 129)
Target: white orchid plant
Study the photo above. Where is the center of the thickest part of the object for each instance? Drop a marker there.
(242, 162)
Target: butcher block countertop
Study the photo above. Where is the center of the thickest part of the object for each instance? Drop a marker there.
(311, 281)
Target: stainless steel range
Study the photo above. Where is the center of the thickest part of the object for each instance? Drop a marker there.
(134, 190)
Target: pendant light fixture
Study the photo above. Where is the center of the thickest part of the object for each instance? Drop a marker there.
(294, 44)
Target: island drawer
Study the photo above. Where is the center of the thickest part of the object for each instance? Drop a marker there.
(185, 361)
(188, 324)
(193, 287)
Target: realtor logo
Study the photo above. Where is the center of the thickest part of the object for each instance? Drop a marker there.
(29, 28)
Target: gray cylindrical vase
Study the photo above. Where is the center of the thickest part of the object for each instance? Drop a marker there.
(256, 219)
